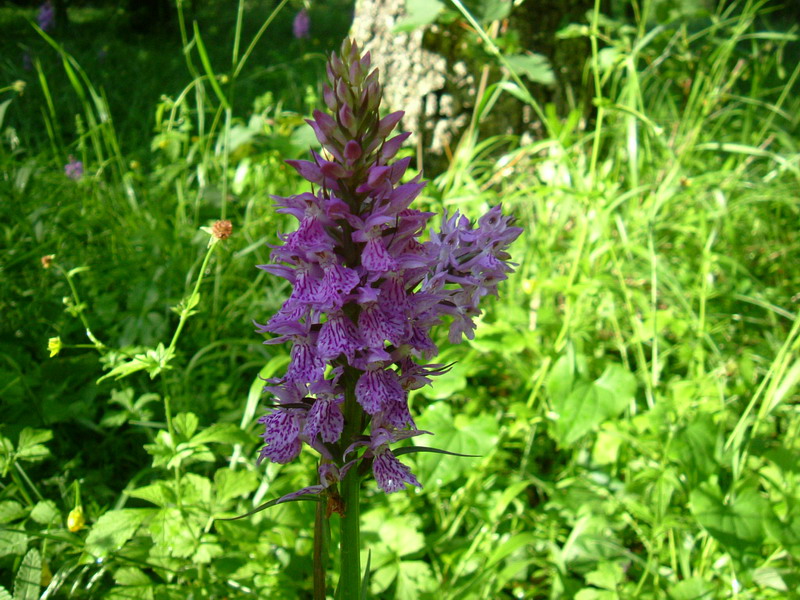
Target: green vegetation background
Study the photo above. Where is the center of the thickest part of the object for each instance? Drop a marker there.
(632, 393)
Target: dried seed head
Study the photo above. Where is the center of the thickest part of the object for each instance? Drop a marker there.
(222, 230)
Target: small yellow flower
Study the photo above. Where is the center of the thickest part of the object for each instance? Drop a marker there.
(76, 520)
(54, 346)
(19, 86)
(47, 260)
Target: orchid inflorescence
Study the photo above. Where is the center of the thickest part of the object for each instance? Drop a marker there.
(366, 291)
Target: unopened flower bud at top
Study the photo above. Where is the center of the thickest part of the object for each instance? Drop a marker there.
(76, 519)
(222, 230)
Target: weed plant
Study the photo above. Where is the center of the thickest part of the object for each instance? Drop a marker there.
(633, 395)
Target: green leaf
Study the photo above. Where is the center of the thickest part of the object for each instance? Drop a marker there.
(174, 532)
(787, 532)
(131, 576)
(535, 67)
(230, 484)
(159, 493)
(12, 542)
(461, 435)
(208, 549)
(492, 10)
(153, 360)
(222, 433)
(693, 588)
(738, 524)
(29, 577)
(30, 446)
(693, 447)
(413, 577)
(588, 405)
(418, 14)
(4, 595)
(562, 376)
(195, 490)
(45, 512)
(115, 528)
(10, 510)
(162, 450)
(3, 108)
(186, 424)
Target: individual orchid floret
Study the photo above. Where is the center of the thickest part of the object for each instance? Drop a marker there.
(367, 288)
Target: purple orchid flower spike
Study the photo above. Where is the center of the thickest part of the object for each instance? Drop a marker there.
(367, 290)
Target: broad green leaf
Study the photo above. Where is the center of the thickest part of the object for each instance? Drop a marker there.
(10, 510)
(462, 435)
(45, 512)
(28, 580)
(12, 542)
(737, 525)
(174, 532)
(770, 577)
(693, 588)
(492, 10)
(230, 484)
(535, 67)
(562, 376)
(787, 532)
(413, 577)
(159, 493)
(208, 549)
(607, 575)
(131, 576)
(588, 405)
(195, 490)
(162, 450)
(4, 594)
(222, 433)
(693, 448)
(186, 424)
(114, 528)
(30, 446)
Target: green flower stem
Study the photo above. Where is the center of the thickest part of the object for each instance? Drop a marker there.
(350, 531)
(97, 344)
(350, 538)
(187, 309)
(320, 550)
